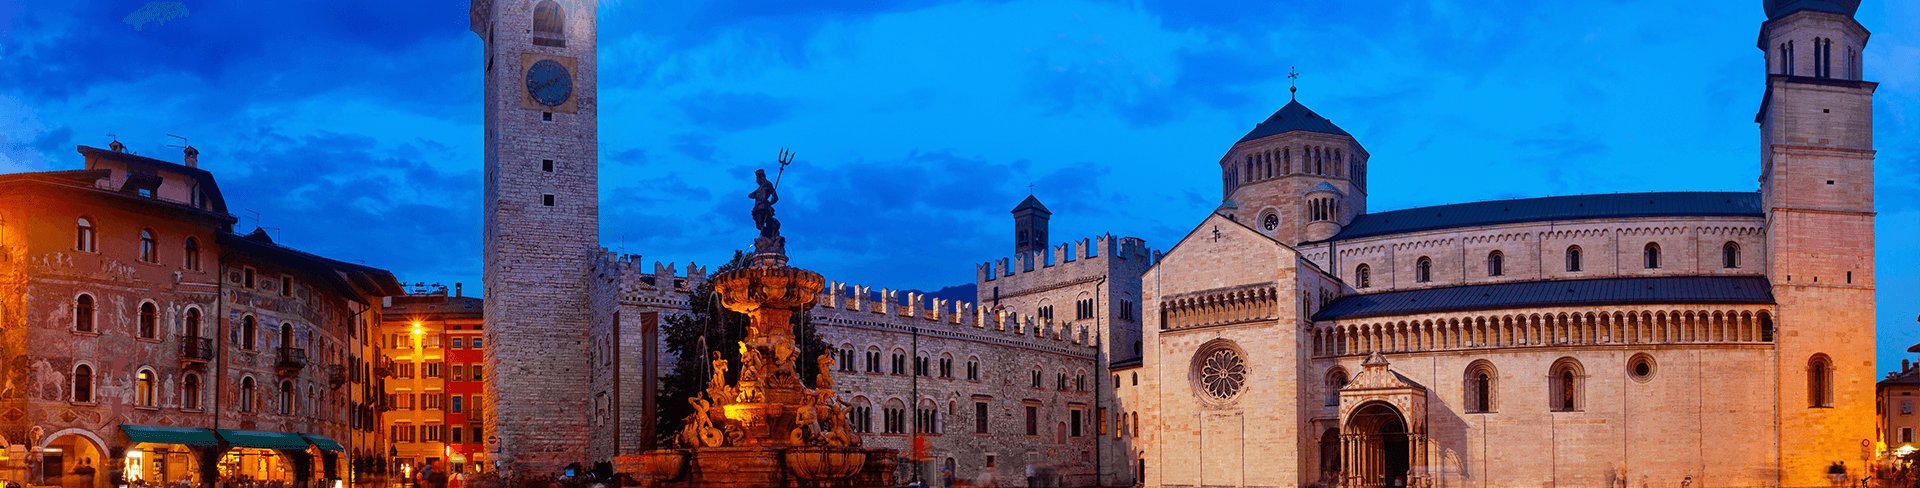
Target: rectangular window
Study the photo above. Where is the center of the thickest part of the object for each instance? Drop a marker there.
(1073, 423)
(453, 435)
(473, 373)
(1906, 434)
(549, 200)
(1100, 425)
(286, 286)
(476, 342)
(980, 417)
(453, 404)
(433, 369)
(473, 411)
(458, 371)
(248, 281)
(1033, 420)
(458, 342)
(546, 165)
(1906, 407)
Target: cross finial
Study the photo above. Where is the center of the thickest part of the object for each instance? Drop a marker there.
(1029, 189)
(1293, 82)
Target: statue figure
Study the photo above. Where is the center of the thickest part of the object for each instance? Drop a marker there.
(824, 380)
(763, 199)
(700, 431)
(719, 383)
(806, 427)
(784, 365)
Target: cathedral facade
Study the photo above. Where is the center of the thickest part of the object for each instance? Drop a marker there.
(1292, 338)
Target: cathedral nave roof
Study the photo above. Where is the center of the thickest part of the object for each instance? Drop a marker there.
(1573, 207)
(1716, 290)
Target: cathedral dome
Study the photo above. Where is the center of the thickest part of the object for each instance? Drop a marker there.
(1294, 117)
(1780, 8)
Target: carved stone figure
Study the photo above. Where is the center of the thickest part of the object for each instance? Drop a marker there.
(763, 199)
(824, 380)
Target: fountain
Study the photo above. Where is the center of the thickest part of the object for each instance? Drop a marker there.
(767, 429)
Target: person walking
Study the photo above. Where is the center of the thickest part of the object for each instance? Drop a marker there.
(1030, 478)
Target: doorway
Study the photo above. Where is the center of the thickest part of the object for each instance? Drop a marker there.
(1375, 446)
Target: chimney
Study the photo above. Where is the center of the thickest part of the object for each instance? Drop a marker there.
(193, 157)
(1904, 365)
(456, 289)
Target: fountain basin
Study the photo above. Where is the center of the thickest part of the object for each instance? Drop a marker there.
(825, 463)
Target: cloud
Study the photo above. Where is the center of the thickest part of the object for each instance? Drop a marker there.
(157, 13)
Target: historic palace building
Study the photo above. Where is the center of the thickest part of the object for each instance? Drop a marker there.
(142, 339)
(1292, 338)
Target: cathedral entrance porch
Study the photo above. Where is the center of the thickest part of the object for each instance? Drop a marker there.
(1377, 447)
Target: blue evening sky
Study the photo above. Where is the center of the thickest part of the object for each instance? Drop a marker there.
(354, 126)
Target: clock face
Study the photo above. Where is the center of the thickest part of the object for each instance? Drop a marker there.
(549, 83)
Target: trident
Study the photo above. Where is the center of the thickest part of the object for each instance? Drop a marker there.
(786, 158)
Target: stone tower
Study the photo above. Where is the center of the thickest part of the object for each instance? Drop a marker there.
(542, 226)
(1296, 177)
(1030, 226)
(1816, 185)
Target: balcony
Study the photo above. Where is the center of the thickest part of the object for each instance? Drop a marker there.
(195, 352)
(336, 375)
(292, 360)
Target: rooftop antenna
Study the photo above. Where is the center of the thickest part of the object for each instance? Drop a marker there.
(1293, 83)
(192, 155)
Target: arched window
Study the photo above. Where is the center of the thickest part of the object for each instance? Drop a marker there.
(1480, 387)
(1565, 377)
(1730, 255)
(193, 323)
(84, 241)
(1423, 270)
(1819, 382)
(149, 321)
(246, 333)
(83, 384)
(149, 251)
(143, 388)
(1496, 264)
(1286, 160)
(1336, 380)
(83, 313)
(549, 25)
(190, 392)
(246, 394)
(286, 398)
(1573, 258)
(192, 254)
(1766, 327)
(1362, 276)
(1652, 254)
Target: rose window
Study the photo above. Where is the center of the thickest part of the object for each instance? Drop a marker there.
(1222, 373)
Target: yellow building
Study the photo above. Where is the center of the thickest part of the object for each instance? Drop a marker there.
(432, 345)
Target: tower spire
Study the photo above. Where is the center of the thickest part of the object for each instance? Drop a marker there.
(1293, 83)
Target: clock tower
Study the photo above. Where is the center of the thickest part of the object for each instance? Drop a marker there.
(542, 226)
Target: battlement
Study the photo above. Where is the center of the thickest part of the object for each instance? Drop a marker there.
(636, 279)
(920, 310)
(1073, 255)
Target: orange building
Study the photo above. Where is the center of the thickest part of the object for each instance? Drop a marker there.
(432, 341)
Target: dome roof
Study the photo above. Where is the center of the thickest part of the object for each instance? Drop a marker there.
(1294, 117)
(1781, 8)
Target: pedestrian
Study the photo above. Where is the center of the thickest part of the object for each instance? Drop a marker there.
(946, 474)
(1030, 478)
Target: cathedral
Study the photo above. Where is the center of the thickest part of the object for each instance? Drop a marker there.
(1292, 338)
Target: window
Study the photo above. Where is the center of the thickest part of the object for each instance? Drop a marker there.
(453, 404)
(83, 384)
(286, 286)
(83, 313)
(980, 417)
(246, 394)
(247, 279)
(1479, 382)
(148, 251)
(899, 362)
(1336, 379)
(474, 407)
(922, 366)
(549, 26)
(946, 367)
(1036, 378)
(84, 241)
(143, 388)
(1640, 367)
(246, 333)
(149, 321)
(193, 323)
(1573, 258)
(547, 200)
(433, 369)
(1073, 423)
(1362, 276)
(1819, 382)
(1652, 254)
(1083, 309)
(546, 165)
(873, 360)
(1060, 381)
(1270, 222)
(286, 398)
(1565, 390)
(973, 369)
(1045, 312)
(1906, 407)
(1100, 421)
(895, 419)
(190, 392)
(1496, 264)
(191, 254)
(453, 435)
(926, 419)
(1033, 420)
(861, 417)
(458, 372)
(1423, 270)
(1730, 255)
(1906, 435)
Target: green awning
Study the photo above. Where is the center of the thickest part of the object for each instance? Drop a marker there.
(263, 440)
(324, 443)
(170, 435)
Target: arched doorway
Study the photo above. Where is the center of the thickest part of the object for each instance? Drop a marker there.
(1376, 447)
(73, 458)
(1330, 456)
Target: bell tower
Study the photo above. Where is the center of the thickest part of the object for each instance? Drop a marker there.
(542, 225)
(1030, 226)
(1816, 186)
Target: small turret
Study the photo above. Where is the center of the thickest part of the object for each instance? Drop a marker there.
(1030, 226)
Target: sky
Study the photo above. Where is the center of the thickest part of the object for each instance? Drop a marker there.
(352, 128)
